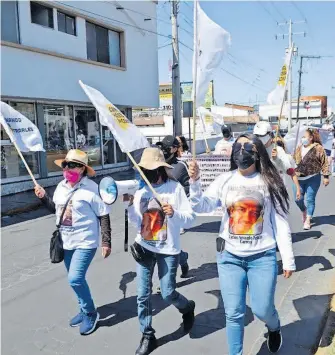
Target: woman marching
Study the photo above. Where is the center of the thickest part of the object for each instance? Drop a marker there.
(255, 205)
(80, 230)
(158, 241)
(311, 161)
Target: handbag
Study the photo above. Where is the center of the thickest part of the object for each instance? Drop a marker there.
(56, 250)
(140, 254)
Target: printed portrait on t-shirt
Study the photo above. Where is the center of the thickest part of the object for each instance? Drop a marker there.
(245, 209)
(67, 218)
(154, 226)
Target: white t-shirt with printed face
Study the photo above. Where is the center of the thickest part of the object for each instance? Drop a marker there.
(80, 228)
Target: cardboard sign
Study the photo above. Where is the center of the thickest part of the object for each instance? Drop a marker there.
(211, 166)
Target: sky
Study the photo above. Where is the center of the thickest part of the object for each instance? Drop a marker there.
(255, 56)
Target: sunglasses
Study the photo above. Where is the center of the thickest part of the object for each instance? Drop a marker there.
(71, 165)
(248, 147)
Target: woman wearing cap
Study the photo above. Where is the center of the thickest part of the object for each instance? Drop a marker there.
(279, 158)
(254, 222)
(311, 161)
(80, 229)
(158, 241)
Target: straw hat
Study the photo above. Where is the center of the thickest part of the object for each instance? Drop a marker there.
(77, 156)
(153, 158)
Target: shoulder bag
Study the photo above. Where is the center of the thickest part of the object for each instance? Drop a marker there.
(56, 242)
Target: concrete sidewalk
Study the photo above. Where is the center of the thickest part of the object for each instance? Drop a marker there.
(37, 301)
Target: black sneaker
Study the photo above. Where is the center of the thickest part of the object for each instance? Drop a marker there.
(147, 345)
(275, 341)
(188, 317)
(184, 270)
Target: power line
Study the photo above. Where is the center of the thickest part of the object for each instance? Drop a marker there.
(113, 20)
(298, 9)
(186, 46)
(165, 45)
(268, 12)
(278, 12)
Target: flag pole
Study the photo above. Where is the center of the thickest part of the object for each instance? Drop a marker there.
(25, 163)
(195, 72)
(12, 138)
(208, 151)
(283, 101)
(145, 178)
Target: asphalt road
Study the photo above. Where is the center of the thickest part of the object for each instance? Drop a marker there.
(37, 301)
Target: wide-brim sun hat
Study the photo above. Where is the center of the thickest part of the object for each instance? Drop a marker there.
(153, 158)
(76, 156)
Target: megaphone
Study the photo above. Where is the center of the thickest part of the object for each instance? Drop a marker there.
(110, 189)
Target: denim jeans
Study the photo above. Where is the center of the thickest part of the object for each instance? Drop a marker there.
(310, 187)
(257, 272)
(167, 270)
(77, 262)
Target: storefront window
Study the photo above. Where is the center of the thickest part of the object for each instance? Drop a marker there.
(11, 164)
(108, 144)
(88, 134)
(59, 133)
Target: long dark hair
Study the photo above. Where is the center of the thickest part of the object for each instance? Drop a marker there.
(270, 175)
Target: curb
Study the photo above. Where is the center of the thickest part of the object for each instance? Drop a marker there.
(18, 210)
(327, 342)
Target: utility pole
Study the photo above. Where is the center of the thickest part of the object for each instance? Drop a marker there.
(176, 93)
(300, 74)
(290, 35)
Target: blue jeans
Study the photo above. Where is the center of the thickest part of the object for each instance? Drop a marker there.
(167, 270)
(257, 272)
(77, 262)
(310, 187)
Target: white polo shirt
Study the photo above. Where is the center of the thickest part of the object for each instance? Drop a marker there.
(80, 228)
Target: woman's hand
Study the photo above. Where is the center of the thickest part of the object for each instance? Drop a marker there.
(274, 153)
(298, 195)
(325, 181)
(288, 274)
(168, 210)
(39, 191)
(106, 252)
(193, 170)
(128, 198)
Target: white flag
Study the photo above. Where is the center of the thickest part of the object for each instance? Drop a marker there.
(211, 42)
(276, 96)
(20, 129)
(211, 122)
(126, 133)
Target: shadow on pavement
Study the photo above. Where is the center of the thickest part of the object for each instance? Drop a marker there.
(209, 227)
(204, 272)
(127, 278)
(301, 236)
(321, 220)
(126, 308)
(305, 333)
(305, 262)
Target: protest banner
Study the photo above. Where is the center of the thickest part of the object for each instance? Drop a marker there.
(211, 166)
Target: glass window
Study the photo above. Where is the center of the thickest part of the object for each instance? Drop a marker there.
(88, 134)
(103, 45)
(59, 133)
(91, 42)
(9, 21)
(114, 48)
(41, 15)
(66, 23)
(108, 146)
(11, 163)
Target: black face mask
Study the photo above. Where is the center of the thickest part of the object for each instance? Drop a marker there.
(152, 175)
(243, 159)
(168, 155)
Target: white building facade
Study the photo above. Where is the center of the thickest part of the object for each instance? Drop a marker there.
(46, 48)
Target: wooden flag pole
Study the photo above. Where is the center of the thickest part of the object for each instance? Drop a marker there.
(11, 136)
(145, 178)
(195, 73)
